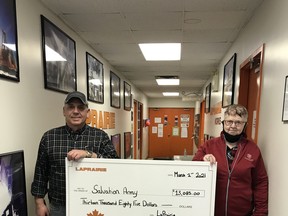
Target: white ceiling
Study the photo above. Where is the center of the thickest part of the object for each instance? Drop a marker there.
(114, 28)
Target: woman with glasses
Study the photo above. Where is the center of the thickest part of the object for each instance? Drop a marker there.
(242, 181)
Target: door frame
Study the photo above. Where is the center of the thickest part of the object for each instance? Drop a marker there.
(250, 65)
(137, 129)
(202, 120)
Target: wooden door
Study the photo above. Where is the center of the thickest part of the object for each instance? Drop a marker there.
(135, 129)
(170, 132)
(202, 115)
(138, 129)
(250, 90)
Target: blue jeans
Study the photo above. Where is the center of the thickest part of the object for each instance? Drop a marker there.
(57, 210)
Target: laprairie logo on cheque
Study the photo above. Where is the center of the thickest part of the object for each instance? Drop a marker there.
(93, 169)
(95, 213)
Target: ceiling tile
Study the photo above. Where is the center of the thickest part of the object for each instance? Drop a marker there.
(206, 29)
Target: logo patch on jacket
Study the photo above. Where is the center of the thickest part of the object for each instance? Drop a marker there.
(249, 157)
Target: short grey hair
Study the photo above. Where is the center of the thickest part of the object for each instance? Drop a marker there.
(236, 109)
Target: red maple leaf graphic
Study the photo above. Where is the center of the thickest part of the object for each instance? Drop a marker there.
(95, 213)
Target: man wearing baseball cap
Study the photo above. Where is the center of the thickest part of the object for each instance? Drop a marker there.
(76, 94)
(74, 140)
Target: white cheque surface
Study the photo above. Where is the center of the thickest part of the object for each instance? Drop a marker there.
(111, 187)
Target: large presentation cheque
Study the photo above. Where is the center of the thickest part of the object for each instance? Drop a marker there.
(121, 187)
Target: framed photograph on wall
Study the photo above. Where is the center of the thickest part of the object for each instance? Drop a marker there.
(116, 140)
(228, 81)
(285, 102)
(127, 96)
(9, 62)
(114, 90)
(207, 98)
(95, 79)
(59, 58)
(13, 184)
(127, 145)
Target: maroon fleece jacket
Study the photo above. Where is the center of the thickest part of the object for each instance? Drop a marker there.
(243, 191)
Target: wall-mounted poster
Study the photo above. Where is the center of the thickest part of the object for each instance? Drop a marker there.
(95, 79)
(228, 82)
(207, 98)
(12, 184)
(59, 58)
(114, 90)
(116, 140)
(9, 63)
(127, 96)
(196, 129)
(285, 102)
(127, 144)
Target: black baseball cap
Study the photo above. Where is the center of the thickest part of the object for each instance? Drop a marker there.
(76, 94)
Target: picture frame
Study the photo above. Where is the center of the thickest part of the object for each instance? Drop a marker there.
(127, 145)
(208, 98)
(116, 141)
(285, 102)
(13, 184)
(59, 58)
(114, 90)
(9, 64)
(127, 96)
(229, 81)
(95, 79)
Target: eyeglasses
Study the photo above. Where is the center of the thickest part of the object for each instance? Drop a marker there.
(237, 123)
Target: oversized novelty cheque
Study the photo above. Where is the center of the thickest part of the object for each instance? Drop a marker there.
(111, 187)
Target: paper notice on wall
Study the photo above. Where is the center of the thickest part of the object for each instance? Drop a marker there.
(157, 120)
(185, 125)
(184, 132)
(154, 130)
(175, 131)
(160, 130)
(185, 118)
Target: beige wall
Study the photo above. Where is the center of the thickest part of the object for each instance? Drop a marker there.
(28, 110)
(269, 26)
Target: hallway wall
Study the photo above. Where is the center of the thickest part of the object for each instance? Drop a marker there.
(269, 26)
(28, 110)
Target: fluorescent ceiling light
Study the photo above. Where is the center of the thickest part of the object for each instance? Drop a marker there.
(161, 51)
(52, 55)
(169, 94)
(167, 80)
